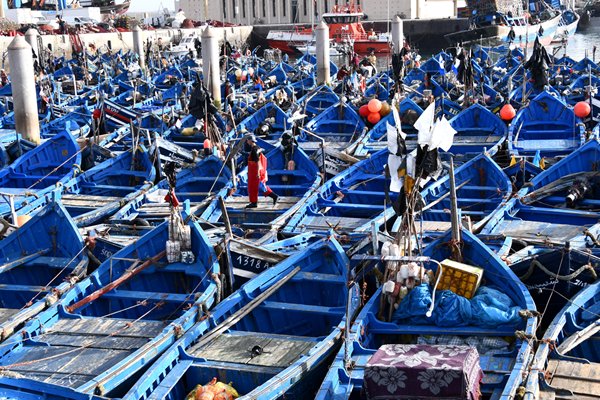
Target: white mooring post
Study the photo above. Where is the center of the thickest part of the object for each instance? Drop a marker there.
(322, 47)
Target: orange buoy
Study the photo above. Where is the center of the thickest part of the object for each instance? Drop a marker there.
(22, 220)
(582, 109)
(374, 117)
(374, 105)
(507, 112)
(207, 144)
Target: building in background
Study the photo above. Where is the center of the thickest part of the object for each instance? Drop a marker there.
(254, 12)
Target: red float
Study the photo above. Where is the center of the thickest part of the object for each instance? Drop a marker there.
(374, 117)
(507, 112)
(363, 111)
(582, 109)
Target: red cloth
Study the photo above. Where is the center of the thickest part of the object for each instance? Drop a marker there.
(257, 174)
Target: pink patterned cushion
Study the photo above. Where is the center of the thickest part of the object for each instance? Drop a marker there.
(420, 372)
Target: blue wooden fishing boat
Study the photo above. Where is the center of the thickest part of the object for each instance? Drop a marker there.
(336, 127)
(570, 183)
(521, 172)
(318, 100)
(482, 189)
(308, 297)
(197, 183)
(293, 186)
(477, 130)
(546, 125)
(119, 319)
(417, 334)
(51, 163)
(346, 203)
(544, 226)
(376, 138)
(101, 191)
(40, 261)
(567, 358)
(38, 390)
(267, 123)
(553, 274)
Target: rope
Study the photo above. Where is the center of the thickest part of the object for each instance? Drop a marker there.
(535, 263)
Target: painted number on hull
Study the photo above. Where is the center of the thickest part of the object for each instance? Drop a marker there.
(253, 263)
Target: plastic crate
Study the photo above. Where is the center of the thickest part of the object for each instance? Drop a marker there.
(460, 278)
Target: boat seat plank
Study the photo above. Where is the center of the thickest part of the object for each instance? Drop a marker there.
(279, 351)
(264, 203)
(564, 145)
(304, 308)
(315, 276)
(321, 222)
(70, 197)
(150, 296)
(579, 378)
(93, 341)
(108, 326)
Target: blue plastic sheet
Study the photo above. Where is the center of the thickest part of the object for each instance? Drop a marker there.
(488, 308)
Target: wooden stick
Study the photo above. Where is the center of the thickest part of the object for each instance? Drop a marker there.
(117, 282)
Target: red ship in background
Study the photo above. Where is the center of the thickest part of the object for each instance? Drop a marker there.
(345, 28)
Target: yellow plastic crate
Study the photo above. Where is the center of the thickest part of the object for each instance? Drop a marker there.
(460, 278)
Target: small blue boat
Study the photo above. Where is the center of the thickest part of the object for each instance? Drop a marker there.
(568, 356)
(197, 183)
(338, 127)
(482, 188)
(346, 203)
(293, 187)
(478, 130)
(40, 261)
(434, 328)
(99, 192)
(274, 337)
(120, 318)
(51, 163)
(318, 100)
(267, 123)
(546, 125)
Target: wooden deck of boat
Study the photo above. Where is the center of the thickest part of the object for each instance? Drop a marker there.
(87, 201)
(583, 380)
(74, 351)
(539, 231)
(340, 223)
(278, 351)
(264, 203)
(6, 313)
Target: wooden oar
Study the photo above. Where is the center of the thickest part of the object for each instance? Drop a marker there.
(117, 282)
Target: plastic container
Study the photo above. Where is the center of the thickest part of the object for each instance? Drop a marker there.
(460, 278)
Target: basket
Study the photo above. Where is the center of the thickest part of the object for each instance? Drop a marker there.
(460, 278)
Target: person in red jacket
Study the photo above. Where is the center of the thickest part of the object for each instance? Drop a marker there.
(257, 174)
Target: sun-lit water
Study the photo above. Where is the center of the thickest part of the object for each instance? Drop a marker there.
(585, 41)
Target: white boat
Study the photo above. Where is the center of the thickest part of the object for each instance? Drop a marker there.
(566, 27)
(334, 49)
(184, 46)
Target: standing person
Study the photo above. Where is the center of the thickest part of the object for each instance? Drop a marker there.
(257, 174)
(288, 142)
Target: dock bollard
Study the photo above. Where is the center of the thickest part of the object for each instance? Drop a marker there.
(210, 64)
(322, 47)
(397, 34)
(138, 45)
(22, 79)
(31, 37)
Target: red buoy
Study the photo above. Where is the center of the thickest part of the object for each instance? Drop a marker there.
(363, 111)
(374, 117)
(582, 109)
(507, 112)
